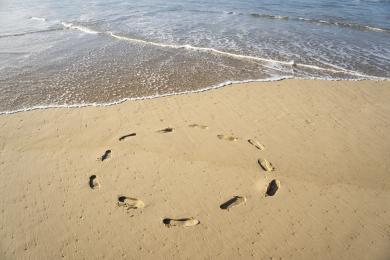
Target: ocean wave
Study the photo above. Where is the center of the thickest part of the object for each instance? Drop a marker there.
(219, 52)
(292, 64)
(30, 32)
(320, 21)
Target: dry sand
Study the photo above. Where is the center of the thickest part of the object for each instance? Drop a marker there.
(165, 194)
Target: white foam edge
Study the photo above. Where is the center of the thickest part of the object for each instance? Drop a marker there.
(79, 27)
(216, 86)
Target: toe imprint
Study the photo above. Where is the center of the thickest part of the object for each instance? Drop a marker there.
(130, 203)
(272, 188)
(235, 201)
(227, 137)
(266, 165)
(182, 222)
(166, 130)
(93, 183)
(199, 126)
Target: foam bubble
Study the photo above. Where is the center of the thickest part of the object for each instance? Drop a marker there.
(79, 27)
(38, 18)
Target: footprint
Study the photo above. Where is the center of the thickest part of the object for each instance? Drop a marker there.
(166, 130)
(266, 165)
(256, 144)
(126, 136)
(182, 222)
(106, 155)
(130, 203)
(93, 182)
(272, 188)
(227, 137)
(235, 201)
(199, 126)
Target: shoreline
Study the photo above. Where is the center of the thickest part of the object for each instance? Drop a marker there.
(205, 89)
(117, 181)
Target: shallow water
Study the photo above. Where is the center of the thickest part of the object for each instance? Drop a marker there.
(72, 53)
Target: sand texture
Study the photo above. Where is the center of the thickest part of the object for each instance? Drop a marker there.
(294, 169)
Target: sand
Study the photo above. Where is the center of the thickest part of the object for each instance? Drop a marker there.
(186, 183)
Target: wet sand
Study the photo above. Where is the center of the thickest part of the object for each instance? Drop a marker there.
(293, 169)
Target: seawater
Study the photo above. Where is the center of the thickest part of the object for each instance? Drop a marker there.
(79, 53)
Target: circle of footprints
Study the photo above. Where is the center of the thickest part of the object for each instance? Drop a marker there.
(129, 203)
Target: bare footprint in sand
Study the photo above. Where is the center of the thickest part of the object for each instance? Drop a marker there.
(166, 130)
(199, 126)
(182, 222)
(235, 201)
(126, 136)
(93, 182)
(227, 137)
(272, 188)
(266, 165)
(106, 155)
(130, 203)
(256, 144)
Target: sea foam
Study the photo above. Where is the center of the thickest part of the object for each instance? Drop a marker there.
(38, 18)
(219, 52)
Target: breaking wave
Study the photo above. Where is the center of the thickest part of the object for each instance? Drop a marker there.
(320, 21)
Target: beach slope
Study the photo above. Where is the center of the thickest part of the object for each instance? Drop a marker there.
(293, 169)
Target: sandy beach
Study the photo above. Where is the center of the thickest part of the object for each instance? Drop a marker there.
(184, 182)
